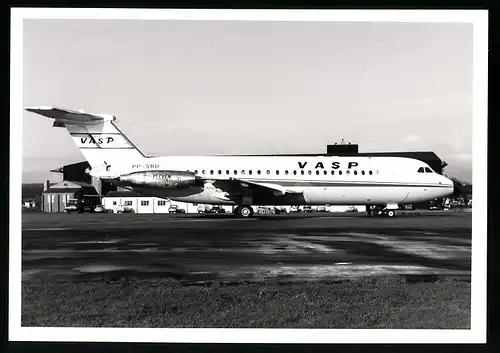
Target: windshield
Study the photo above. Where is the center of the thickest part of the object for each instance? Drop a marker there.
(425, 170)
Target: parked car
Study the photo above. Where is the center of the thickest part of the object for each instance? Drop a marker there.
(99, 209)
(352, 209)
(203, 208)
(278, 210)
(73, 205)
(216, 209)
(295, 209)
(176, 209)
(434, 205)
(308, 208)
(321, 208)
(264, 210)
(124, 209)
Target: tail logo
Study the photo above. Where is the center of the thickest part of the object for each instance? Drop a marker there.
(99, 140)
(102, 140)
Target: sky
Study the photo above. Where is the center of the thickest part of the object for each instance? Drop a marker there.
(229, 87)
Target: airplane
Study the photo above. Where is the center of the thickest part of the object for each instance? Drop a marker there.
(381, 183)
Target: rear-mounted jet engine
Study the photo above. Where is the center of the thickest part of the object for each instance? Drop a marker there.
(160, 179)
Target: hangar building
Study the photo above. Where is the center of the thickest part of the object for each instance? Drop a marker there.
(56, 196)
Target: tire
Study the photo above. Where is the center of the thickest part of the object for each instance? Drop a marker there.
(390, 213)
(245, 211)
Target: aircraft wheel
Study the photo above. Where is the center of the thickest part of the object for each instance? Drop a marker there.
(245, 211)
(236, 211)
(390, 213)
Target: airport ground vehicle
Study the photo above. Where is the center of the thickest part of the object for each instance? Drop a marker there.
(246, 180)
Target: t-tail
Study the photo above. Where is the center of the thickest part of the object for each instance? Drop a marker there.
(96, 135)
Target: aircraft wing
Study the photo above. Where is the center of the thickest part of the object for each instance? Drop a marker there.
(258, 186)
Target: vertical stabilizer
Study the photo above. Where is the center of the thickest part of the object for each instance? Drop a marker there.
(96, 135)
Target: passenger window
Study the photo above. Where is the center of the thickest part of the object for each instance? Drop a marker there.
(235, 172)
(268, 172)
(317, 172)
(325, 172)
(348, 172)
(196, 172)
(428, 170)
(277, 172)
(340, 172)
(211, 172)
(294, 172)
(333, 172)
(203, 172)
(220, 172)
(302, 172)
(250, 172)
(227, 172)
(258, 172)
(363, 172)
(309, 172)
(421, 169)
(355, 172)
(370, 172)
(286, 172)
(242, 172)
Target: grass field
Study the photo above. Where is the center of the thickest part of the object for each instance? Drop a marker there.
(159, 302)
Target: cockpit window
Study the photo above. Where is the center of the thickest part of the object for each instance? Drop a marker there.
(421, 170)
(428, 170)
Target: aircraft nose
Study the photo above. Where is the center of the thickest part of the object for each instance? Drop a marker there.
(449, 184)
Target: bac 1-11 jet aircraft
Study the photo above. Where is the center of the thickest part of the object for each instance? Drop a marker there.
(382, 182)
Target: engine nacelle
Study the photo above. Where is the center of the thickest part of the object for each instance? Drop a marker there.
(159, 179)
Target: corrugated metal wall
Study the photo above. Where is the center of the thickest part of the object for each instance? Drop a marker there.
(55, 202)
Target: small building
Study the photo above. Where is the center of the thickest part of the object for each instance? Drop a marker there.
(56, 196)
(131, 201)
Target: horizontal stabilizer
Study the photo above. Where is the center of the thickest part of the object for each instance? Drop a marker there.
(70, 117)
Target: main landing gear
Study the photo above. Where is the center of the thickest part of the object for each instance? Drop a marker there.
(243, 211)
(380, 211)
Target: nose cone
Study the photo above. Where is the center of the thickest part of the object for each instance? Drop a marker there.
(448, 184)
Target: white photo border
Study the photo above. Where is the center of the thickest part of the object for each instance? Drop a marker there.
(477, 333)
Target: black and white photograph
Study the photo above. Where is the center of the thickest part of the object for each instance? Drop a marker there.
(205, 173)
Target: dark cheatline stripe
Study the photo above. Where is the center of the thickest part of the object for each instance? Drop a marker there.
(343, 183)
(94, 133)
(108, 148)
